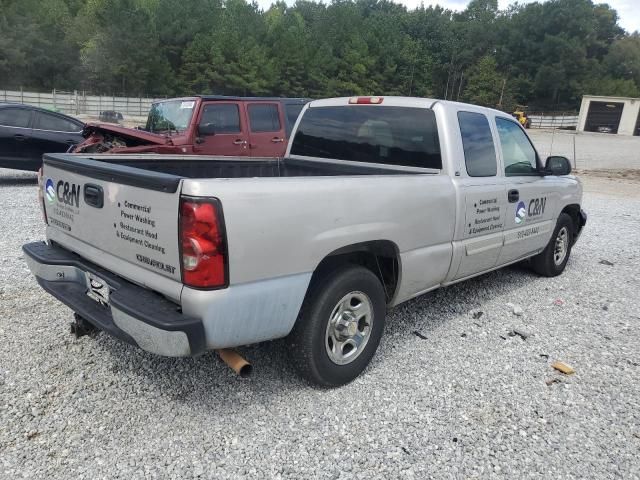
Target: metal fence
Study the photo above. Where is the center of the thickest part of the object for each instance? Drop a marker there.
(79, 103)
(568, 120)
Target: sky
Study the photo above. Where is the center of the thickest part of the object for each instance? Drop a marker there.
(628, 10)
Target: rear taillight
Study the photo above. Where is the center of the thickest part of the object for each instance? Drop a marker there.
(41, 195)
(202, 243)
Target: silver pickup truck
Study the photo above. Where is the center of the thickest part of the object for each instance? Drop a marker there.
(378, 200)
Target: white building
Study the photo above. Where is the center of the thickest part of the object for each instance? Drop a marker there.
(619, 115)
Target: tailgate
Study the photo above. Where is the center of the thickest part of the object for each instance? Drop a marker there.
(97, 208)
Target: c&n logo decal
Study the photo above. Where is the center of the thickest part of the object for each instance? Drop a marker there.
(534, 209)
(49, 191)
(521, 212)
(64, 192)
(536, 206)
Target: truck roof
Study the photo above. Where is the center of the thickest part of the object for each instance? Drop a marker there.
(386, 100)
(395, 101)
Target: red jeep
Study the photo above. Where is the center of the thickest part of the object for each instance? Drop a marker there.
(203, 125)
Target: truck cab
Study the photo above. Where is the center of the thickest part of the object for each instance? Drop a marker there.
(203, 125)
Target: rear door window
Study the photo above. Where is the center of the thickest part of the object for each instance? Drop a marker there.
(15, 117)
(373, 134)
(44, 121)
(225, 117)
(264, 117)
(477, 141)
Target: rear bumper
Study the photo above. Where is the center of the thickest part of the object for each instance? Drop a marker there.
(133, 314)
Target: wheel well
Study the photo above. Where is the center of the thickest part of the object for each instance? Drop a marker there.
(382, 257)
(574, 212)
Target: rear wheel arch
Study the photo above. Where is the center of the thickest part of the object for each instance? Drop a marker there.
(382, 257)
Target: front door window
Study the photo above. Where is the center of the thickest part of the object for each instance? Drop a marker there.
(519, 156)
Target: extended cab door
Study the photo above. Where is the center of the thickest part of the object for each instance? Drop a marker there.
(266, 129)
(483, 197)
(532, 200)
(221, 130)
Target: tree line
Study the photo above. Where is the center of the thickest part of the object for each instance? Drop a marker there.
(544, 55)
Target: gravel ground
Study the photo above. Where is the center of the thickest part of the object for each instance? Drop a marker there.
(463, 399)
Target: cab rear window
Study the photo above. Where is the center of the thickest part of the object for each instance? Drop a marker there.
(370, 133)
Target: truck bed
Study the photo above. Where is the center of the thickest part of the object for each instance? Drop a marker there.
(121, 211)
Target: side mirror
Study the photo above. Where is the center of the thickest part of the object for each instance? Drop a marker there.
(206, 129)
(557, 165)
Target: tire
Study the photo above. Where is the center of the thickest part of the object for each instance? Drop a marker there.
(323, 344)
(551, 261)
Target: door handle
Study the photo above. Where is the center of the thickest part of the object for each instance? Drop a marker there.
(513, 196)
(93, 195)
(239, 141)
(277, 140)
(20, 137)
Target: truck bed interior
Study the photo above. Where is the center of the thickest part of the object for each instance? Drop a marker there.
(230, 167)
(164, 172)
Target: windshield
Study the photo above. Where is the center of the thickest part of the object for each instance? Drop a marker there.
(172, 116)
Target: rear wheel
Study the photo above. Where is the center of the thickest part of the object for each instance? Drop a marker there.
(553, 259)
(339, 327)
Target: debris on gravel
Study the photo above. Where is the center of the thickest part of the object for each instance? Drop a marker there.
(563, 367)
(521, 332)
(419, 335)
(516, 309)
(94, 407)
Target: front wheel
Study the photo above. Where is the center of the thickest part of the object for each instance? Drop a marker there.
(553, 259)
(339, 327)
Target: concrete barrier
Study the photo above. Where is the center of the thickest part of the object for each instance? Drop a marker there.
(589, 151)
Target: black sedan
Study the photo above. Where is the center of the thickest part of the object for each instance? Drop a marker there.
(27, 132)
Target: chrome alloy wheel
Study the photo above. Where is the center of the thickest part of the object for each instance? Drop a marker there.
(349, 328)
(561, 247)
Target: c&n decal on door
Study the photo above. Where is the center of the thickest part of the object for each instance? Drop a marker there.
(535, 209)
(484, 215)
